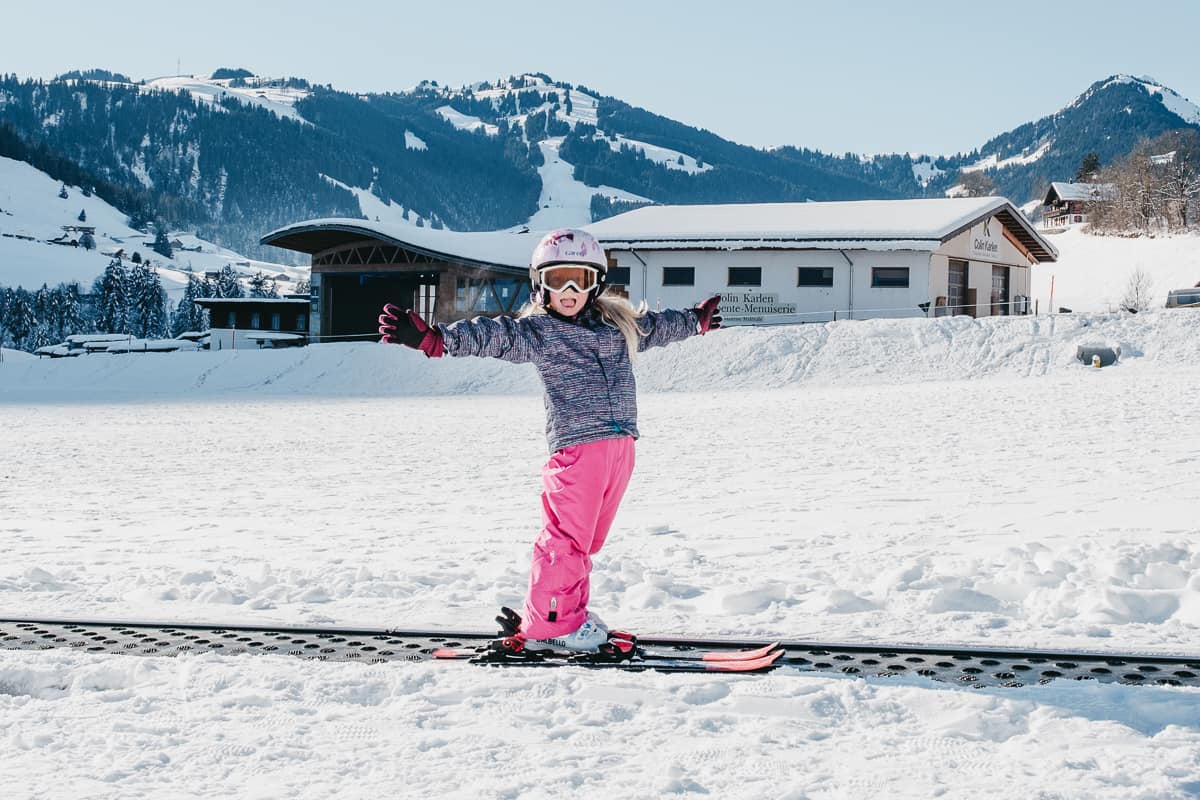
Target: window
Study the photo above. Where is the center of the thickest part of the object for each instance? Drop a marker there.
(256, 321)
(617, 276)
(275, 321)
(745, 276)
(814, 276)
(231, 320)
(301, 322)
(679, 276)
(889, 277)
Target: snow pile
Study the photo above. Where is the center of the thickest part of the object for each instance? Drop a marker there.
(847, 352)
(904, 480)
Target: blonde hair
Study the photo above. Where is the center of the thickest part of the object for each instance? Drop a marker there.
(615, 310)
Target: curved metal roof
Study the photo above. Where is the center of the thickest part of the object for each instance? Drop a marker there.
(500, 250)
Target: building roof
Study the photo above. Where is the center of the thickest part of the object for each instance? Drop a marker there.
(505, 249)
(1077, 191)
(920, 224)
(251, 301)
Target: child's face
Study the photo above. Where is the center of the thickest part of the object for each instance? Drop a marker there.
(568, 303)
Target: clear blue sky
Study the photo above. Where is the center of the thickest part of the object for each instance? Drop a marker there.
(931, 77)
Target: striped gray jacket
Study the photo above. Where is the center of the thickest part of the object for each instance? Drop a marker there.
(584, 365)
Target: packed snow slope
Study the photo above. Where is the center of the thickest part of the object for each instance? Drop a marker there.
(940, 480)
(32, 214)
(848, 352)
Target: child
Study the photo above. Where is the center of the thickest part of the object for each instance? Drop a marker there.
(582, 343)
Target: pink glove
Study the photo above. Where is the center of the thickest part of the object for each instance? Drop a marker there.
(407, 328)
(708, 315)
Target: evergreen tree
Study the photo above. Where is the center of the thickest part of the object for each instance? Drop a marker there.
(6, 300)
(188, 316)
(147, 303)
(261, 285)
(21, 320)
(69, 311)
(63, 192)
(87, 241)
(1088, 168)
(136, 257)
(112, 306)
(227, 284)
(82, 215)
(162, 245)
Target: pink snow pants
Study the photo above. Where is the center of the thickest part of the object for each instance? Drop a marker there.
(584, 485)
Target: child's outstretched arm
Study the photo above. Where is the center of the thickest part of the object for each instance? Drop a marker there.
(504, 337)
(663, 327)
(407, 328)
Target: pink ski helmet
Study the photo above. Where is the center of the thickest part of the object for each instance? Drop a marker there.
(566, 246)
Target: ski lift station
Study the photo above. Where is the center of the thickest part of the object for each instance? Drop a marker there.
(772, 263)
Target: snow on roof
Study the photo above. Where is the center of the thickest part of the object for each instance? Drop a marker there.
(499, 248)
(1079, 191)
(252, 300)
(903, 222)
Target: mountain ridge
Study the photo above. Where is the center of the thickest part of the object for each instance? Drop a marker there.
(234, 156)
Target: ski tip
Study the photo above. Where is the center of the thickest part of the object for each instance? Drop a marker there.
(745, 664)
(741, 655)
(449, 652)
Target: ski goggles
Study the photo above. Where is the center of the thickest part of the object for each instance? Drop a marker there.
(561, 277)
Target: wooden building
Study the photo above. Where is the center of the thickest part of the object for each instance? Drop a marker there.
(357, 266)
(256, 322)
(1068, 204)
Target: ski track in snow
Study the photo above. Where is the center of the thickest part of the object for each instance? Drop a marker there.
(892, 480)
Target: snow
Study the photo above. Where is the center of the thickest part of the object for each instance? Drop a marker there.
(994, 162)
(1174, 102)
(466, 122)
(31, 208)
(278, 100)
(564, 201)
(510, 248)
(414, 142)
(942, 480)
(923, 219)
(1092, 272)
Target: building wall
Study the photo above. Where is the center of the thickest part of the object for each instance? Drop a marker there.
(983, 246)
(778, 299)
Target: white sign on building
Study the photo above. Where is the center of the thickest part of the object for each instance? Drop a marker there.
(753, 306)
(984, 245)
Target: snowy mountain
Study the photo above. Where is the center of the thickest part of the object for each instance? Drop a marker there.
(233, 155)
(1108, 119)
(38, 225)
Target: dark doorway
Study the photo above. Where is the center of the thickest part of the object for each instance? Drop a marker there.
(999, 291)
(956, 294)
(355, 301)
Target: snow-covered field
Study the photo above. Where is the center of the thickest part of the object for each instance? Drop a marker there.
(32, 213)
(940, 480)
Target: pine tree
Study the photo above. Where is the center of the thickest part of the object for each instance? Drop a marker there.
(161, 245)
(147, 303)
(261, 285)
(227, 284)
(112, 307)
(82, 215)
(21, 319)
(188, 316)
(1088, 167)
(87, 241)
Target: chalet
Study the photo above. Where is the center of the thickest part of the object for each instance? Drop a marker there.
(250, 322)
(771, 262)
(1068, 204)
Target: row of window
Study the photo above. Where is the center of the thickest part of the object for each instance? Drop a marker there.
(881, 277)
(276, 321)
